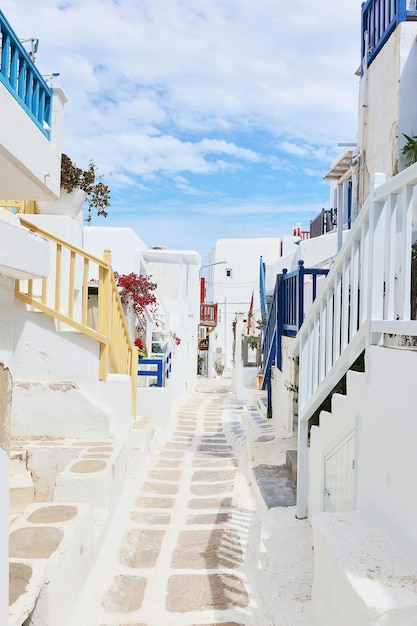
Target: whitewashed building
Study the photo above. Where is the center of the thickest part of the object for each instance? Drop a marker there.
(356, 428)
(233, 283)
(68, 367)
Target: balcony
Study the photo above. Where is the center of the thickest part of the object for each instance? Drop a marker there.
(323, 223)
(31, 129)
(208, 314)
(379, 20)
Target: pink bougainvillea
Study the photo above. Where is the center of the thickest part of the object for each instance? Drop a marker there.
(175, 339)
(137, 291)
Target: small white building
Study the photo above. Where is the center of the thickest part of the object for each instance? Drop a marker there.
(233, 283)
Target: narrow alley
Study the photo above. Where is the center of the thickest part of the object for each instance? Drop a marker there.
(195, 544)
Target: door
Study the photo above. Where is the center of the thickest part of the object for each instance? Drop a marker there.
(339, 477)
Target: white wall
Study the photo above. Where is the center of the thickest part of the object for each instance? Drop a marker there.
(387, 96)
(21, 255)
(387, 460)
(282, 397)
(177, 277)
(233, 294)
(407, 122)
(381, 406)
(314, 252)
(30, 164)
(126, 247)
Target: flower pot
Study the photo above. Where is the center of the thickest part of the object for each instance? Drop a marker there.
(69, 204)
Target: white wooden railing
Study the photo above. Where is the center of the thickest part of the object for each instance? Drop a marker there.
(366, 294)
(64, 296)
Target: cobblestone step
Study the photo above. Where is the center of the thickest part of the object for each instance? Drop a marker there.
(188, 546)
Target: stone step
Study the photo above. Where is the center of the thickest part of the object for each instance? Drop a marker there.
(21, 492)
(291, 463)
(359, 573)
(142, 433)
(275, 485)
(51, 550)
(18, 462)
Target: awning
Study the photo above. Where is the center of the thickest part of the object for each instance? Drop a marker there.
(340, 167)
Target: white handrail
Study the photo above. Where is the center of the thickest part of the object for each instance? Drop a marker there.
(369, 282)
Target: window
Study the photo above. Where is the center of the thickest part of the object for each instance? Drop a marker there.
(229, 272)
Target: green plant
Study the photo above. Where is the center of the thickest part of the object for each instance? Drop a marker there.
(409, 150)
(260, 324)
(291, 387)
(218, 365)
(73, 177)
(253, 341)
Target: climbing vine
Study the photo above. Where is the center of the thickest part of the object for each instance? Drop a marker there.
(137, 291)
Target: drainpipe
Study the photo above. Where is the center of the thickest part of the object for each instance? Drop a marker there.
(364, 106)
(339, 216)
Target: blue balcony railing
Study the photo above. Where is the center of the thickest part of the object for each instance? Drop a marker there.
(158, 368)
(23, 80)
(286, 315)
(379, 20)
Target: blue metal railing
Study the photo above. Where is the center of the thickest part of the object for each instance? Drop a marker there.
(157, 367)
(23, 80)
(262, 288)
(286, 315)
(379, 20)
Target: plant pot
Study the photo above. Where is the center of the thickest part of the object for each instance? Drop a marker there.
(69, 204)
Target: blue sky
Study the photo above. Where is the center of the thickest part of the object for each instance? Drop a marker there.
(207, 118)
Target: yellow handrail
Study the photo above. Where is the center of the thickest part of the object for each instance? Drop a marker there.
(64, 296)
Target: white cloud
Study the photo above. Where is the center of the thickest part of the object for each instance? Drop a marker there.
(277, 64)
(165, 94)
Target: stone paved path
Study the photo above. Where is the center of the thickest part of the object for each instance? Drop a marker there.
(188, 551)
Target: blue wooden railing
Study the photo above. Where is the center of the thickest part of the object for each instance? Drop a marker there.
(23, 80)
(262, 289)
(379, 20)
(286, 315)
(156, 367)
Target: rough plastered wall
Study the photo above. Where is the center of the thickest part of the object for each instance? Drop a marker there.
(6, 342)
(387, 96)
(5, 406)
(378, 115)
(284, 391)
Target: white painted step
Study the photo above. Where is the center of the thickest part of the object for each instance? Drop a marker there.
(21, 493)
(18, 462)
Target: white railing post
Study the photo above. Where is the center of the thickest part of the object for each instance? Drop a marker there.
(391, 220)
(375, 277)
(405, 247)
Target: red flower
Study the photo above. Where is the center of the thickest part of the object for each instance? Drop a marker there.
(137, 290)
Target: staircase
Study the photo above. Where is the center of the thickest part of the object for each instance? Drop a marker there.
(71, 422)
(362, 466)
(366, 294)
(64, 495)
(21, 488)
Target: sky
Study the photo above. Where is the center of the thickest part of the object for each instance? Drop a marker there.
(208, 119)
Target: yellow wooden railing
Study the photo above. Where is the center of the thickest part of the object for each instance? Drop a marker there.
(64, 296)
(19, 206)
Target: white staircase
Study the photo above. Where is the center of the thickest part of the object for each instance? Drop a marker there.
(361, 468)
(21, 488)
